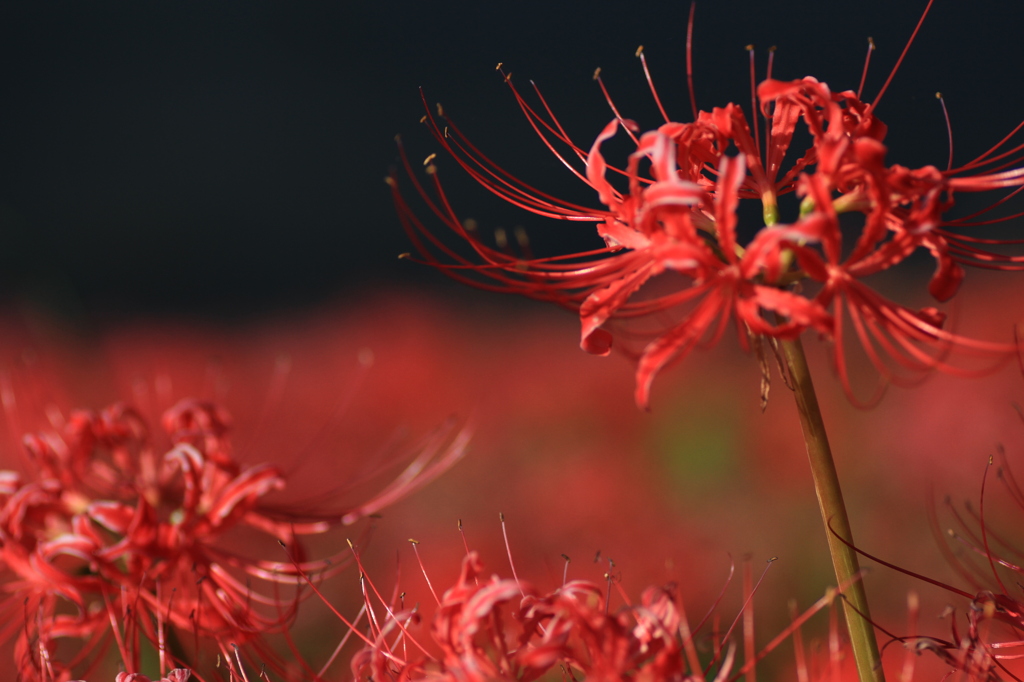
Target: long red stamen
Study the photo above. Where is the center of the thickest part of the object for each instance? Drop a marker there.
(238, 659)
(755, 120)
(689, 58)
(906, 48)
(341, 645)
(749, 648)
(508, 552)
(910, 658)
(802, 674)
(416, 550)
(949, 129)
(747, 602)
(615, 110)
(867, 60)
(350, 625)
(686, 634)
(650, 82)
(912, 574)
(765, 111)
(984, 529)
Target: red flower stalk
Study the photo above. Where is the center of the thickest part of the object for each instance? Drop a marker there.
(112, 541)
(674, 272)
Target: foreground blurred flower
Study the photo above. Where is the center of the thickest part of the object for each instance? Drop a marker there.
(110, 541)
(989, 562)
(493, 628)
(680, 218)
(985, 640)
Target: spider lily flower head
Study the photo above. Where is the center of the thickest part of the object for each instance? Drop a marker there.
(495, 628)
(113, 540)
(506, 629)
(988, 561)
(674, 272)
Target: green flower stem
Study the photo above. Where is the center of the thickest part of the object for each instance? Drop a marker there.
(833, 513)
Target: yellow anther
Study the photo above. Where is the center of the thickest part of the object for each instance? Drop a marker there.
(520, 232)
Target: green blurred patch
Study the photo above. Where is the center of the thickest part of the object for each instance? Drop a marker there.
(698, 446)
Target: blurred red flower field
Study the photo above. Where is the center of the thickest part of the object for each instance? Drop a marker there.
(334, 397)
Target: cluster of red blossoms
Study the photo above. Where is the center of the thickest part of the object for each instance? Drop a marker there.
(675, 213)
(485, 629)
(111, 541)
(501, 629)
(989, 563)
(984, 639)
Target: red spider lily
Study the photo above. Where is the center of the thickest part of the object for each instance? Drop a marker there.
(487, 629)
(110, 541)
(995, 617)
(505, 629)
(988, 644)
(673, 273)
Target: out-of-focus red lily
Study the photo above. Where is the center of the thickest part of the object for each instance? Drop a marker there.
(112, 540)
